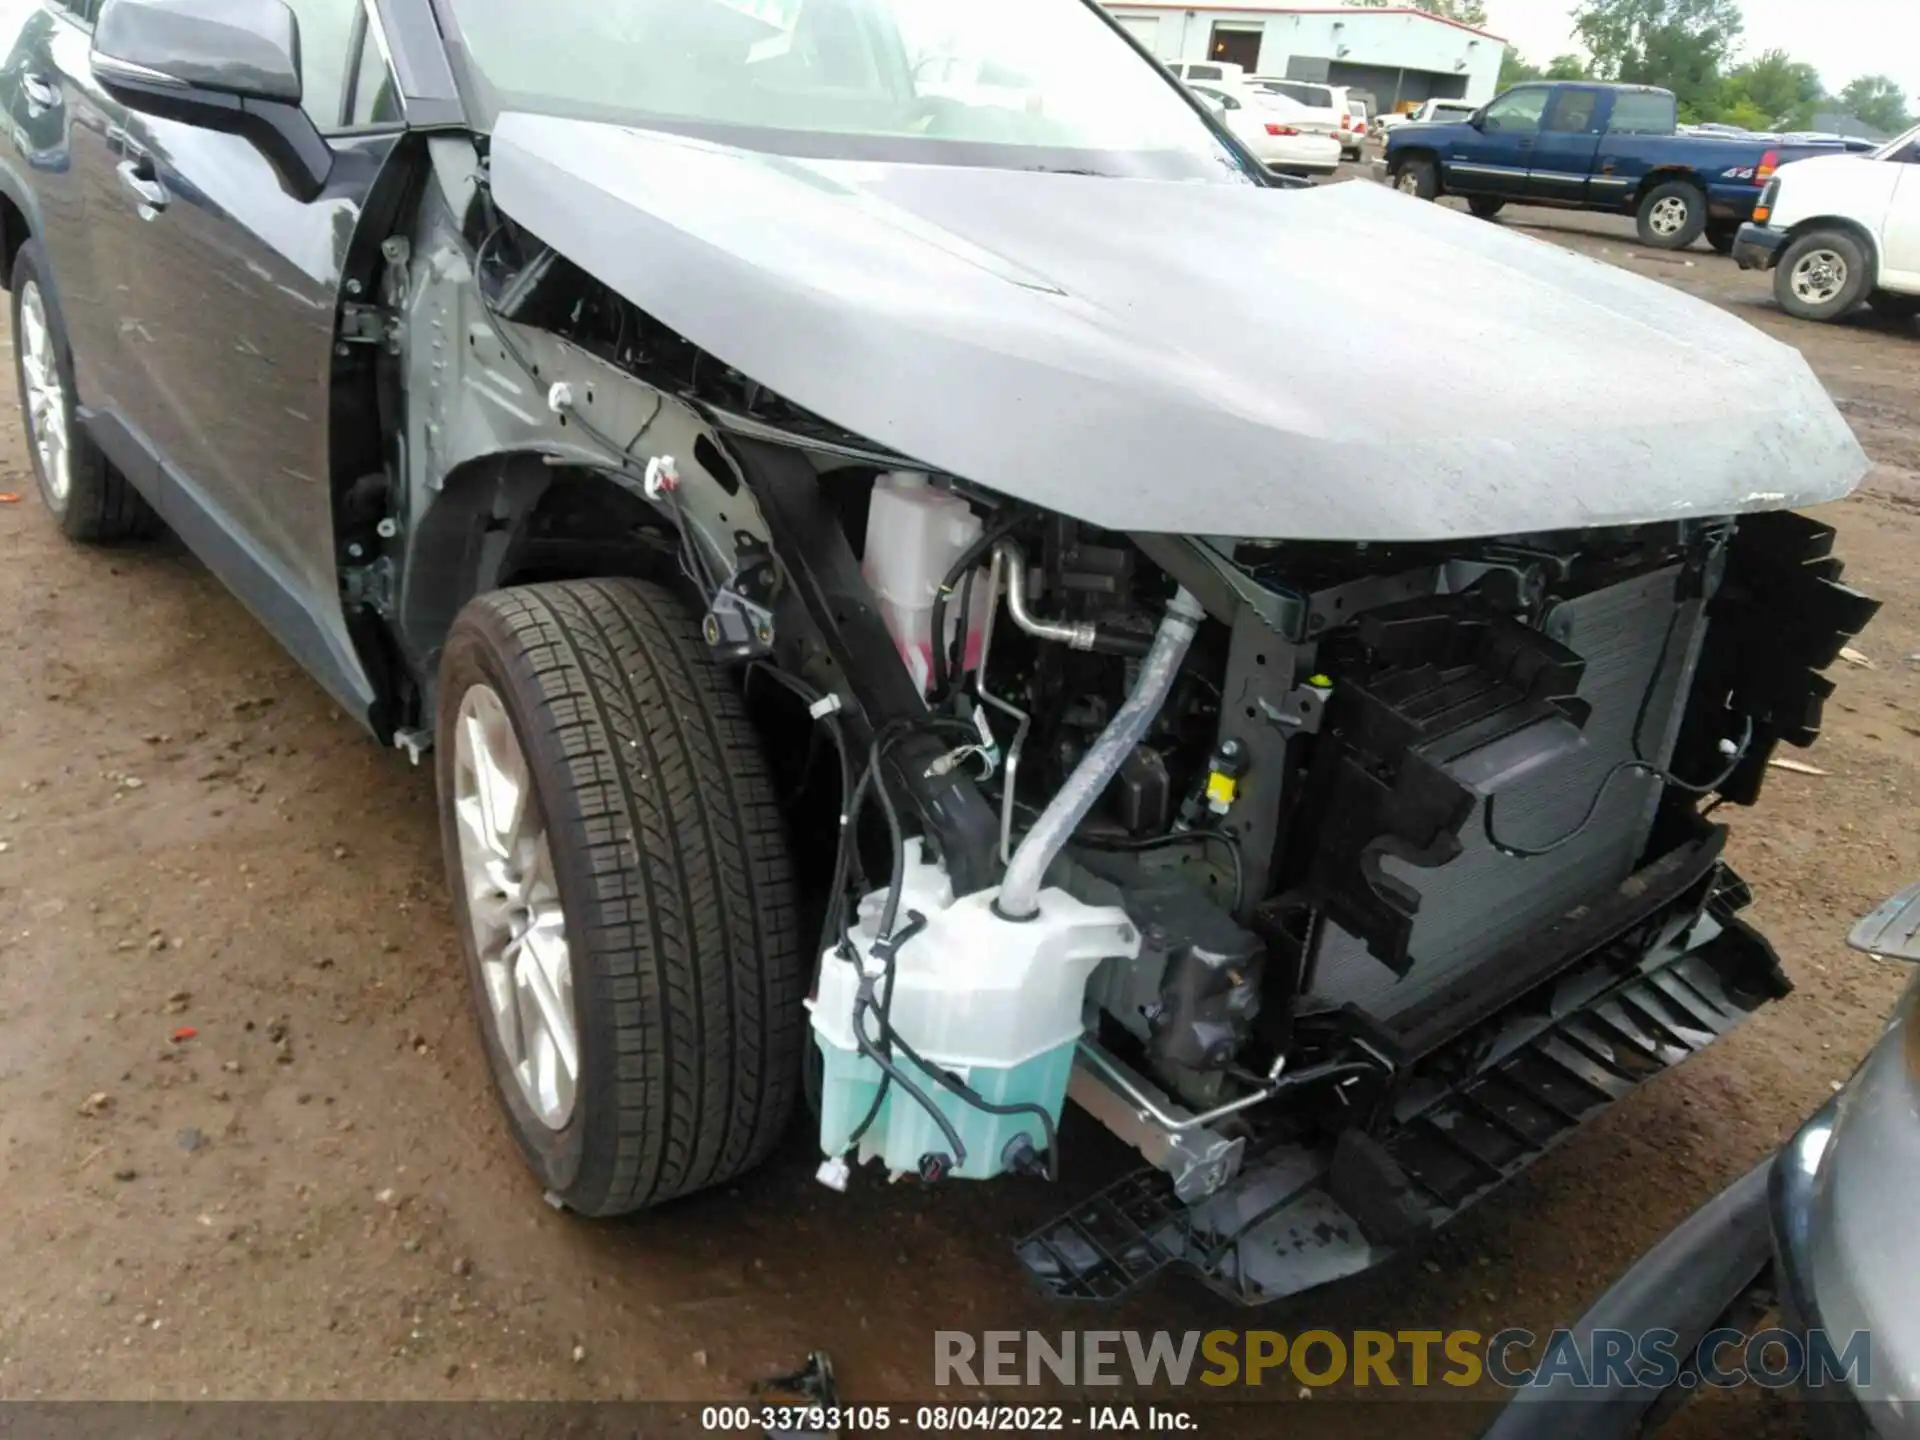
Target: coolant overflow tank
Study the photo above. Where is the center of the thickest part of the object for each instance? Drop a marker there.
(995, 1003)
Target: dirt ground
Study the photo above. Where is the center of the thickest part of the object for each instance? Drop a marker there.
(312, 1196)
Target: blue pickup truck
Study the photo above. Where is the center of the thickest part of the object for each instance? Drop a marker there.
(1593, 147)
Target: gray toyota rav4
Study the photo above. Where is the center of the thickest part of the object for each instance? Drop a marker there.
(883, 640)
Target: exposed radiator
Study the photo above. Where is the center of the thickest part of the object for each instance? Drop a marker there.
(1483, 899)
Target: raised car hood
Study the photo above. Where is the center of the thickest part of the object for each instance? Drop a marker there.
(1215, 359)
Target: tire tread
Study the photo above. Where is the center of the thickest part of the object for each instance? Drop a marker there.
(694, 926)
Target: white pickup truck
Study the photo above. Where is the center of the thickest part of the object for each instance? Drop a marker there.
(1839, 231)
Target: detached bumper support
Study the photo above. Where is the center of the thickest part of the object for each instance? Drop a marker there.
(1604, 1027)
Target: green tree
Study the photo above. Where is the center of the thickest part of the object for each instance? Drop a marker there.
(1567, 67)
(1678, 44)
(1771, 90)
(1878, 101)
(1515, 70)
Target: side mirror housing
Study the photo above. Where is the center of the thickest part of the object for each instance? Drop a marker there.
(231, 65)
(1478, 120)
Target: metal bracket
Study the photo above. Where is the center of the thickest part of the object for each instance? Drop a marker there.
(369, 585)
(1299, 711)
(414, 744)
(739, 620)
(362, 324)
(1198, 1160)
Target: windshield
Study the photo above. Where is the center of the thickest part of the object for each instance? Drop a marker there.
(1034, 84)
(1317, 97)
(1898, 149)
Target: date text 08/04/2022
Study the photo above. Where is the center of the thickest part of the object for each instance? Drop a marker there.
(945, 1419)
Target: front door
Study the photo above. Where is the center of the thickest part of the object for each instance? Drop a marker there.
(1494, 157)
(227, 290)
(1900, 240)
(1569, 139)
(58, 120)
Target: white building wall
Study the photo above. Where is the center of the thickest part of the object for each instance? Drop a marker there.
(1385, 39)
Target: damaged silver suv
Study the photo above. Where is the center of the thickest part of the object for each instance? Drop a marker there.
(883, 638)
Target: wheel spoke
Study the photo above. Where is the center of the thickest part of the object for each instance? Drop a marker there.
(501, 778)
(545, 970)
(517, 925)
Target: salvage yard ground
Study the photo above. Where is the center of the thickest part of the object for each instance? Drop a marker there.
(311, 1196)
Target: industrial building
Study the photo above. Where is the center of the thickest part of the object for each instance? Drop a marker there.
(1398, 56)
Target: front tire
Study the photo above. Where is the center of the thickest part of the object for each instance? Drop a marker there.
(89, 500)
(1823, 276)
(1418, 178)
(1721, 238)
(624, 892)
(1672, 216)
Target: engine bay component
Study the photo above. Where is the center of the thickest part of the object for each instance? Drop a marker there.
(1019, 892)
(947, 1043)
(1439, 700)
(1196, 1159)
(914, 535)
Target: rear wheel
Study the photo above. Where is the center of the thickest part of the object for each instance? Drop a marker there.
(1485, 206)
(1894, 307)
(1721, 237)
(89, 499)
(1823, 276)
(624, 891)
(1672, 216)
(1418, 178)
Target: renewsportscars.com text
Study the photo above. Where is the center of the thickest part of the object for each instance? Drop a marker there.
(1392, 1359)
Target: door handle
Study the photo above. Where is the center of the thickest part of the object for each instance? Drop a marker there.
(41, 93)
(138, 176)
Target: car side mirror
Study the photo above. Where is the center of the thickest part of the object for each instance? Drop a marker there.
(1478, 120)
(230, 65)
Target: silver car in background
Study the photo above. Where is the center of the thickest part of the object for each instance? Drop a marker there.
(1818, 1238)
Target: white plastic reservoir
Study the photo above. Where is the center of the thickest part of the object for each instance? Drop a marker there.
(996, 1003)
(915, 533)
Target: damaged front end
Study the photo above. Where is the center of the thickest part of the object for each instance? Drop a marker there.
(1339, 878)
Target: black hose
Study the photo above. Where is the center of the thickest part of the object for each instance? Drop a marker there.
(890, 911)
(899, 1077)
(1127, 845)
(959, 1087)
(940, 652)
(1519, 852)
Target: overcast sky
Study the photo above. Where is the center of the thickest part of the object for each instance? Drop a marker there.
(1840, 38)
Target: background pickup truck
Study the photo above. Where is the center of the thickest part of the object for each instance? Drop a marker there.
(1593, 147)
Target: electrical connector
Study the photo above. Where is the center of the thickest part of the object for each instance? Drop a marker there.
(834, 1173)
(662, 478)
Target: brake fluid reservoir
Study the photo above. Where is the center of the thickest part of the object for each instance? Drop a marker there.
(996, 1003)
(915, 533)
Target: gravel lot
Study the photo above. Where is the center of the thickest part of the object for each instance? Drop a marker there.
(312, 1197)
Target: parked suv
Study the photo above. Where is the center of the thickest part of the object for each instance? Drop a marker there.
(881, 638)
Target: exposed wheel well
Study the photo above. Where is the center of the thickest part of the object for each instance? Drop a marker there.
(512, 519)
(14, 232)
(1656, 178)
(1851, 228)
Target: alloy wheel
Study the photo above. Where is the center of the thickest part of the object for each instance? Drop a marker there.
(513, 903)
(46, 394)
